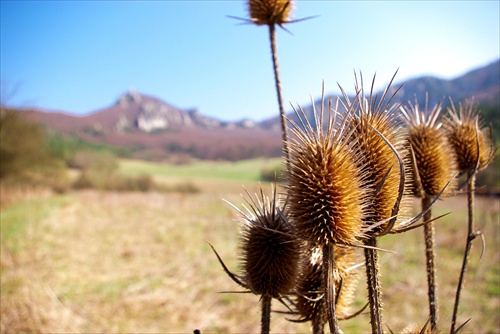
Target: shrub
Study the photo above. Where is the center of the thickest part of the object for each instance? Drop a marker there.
(24, 153)
(270, 173)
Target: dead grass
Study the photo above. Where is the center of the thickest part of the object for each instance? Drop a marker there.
(11, 193)
(139, 262)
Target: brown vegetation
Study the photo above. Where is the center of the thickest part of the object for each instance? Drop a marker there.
(139, 262)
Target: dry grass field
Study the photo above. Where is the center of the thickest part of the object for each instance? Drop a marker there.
(112, 262)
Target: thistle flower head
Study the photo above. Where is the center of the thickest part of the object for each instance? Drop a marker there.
(309, 300)
(326, 201)
(419, 329)
(270, 253)
(380, 140)
(309, 295)
(433, 164)
(269, 12)
(471, 144)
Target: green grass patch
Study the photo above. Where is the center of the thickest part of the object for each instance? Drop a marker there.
(244, 170)
(15, 218)
(112, 290)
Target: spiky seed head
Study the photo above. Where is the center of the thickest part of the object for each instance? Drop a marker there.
(434, 162)
(269, 12)
(419, 329)
(309, 298)
(345, 261)
(466, 137)
(270, 253)
(326, 201)
(379, 163)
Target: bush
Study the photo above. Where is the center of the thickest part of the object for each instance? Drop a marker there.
(270, 173)
(24, 153)
(99, 171)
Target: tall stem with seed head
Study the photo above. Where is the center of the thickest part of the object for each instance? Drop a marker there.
(471, 235)
(430, 256)
(472, 154)
(274, 53)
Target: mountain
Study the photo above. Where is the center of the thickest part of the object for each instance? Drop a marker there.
(482, 84)
(150, 128)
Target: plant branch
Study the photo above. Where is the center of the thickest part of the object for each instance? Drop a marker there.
(274, 53)
(374, 288)
(329, 287)
(471, 235)
(266, 314)
(431, 270)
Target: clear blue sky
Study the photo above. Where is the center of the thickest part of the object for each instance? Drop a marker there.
(79, 56)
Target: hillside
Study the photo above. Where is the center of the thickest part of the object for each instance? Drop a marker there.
(150, 128)
(482, 84)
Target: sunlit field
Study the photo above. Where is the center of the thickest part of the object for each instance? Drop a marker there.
(91, 261)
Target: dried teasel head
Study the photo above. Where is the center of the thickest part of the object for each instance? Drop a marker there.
(419, 329)
(308, 302)
(270, 12)
(270, 253)
(381, 141)
(325, 197)
(432, 158)
(345, 260)
(472, 145)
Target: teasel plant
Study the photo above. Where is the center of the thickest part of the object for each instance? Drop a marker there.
(326, 201)
(270, 254)
(308, 299)
(384, 164)
(374, 125)
(432, 162)
(272, 13)
(473, 147)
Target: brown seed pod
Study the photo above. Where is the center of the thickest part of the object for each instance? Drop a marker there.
(375, 124)
(269, 12)
(471, 143)
(270, 253)
(326, 201)
(419, 329)
(309, 302)
(433, 164)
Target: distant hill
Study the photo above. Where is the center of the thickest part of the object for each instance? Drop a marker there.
(150, 128)
(483, 84)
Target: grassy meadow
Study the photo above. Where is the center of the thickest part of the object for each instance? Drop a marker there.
(121, 262)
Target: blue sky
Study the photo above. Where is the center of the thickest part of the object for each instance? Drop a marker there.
(79, 56)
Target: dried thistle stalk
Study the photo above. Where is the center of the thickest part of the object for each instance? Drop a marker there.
(433, 167)
(270, 253)
(326, 200)
(379, 138)
(473, 153)
(309, 299)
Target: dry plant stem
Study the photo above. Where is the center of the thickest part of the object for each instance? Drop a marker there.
(430, 257)
(266, 314)
(318, 325)
(274, 53)
(329, 287)
(374, 289)
(471, 235)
